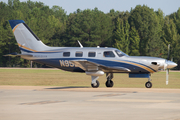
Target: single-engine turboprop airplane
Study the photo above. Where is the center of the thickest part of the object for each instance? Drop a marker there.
(94, 61)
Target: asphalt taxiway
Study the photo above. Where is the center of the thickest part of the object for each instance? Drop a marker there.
(76, 103)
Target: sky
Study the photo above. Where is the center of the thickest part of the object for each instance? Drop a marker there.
(70, 6)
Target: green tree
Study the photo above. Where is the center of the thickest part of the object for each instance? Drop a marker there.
(142, 31)
(148, 26)
(91, 27)
(176, 18)
(122, 35)
(171, 36)
(134, 42)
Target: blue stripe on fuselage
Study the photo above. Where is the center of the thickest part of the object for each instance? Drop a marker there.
(109, 63)
(140, 64)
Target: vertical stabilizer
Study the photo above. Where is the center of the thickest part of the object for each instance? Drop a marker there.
(26, 39)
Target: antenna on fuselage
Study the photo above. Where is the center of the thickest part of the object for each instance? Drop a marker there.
(80, 44)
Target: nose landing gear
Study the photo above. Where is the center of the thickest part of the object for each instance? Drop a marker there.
(148, 84)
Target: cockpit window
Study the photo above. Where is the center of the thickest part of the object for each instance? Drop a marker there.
(108, 54)
(120, 53)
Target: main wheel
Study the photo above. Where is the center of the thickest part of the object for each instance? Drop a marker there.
(148, 84)
(109, 83)
(95, 85)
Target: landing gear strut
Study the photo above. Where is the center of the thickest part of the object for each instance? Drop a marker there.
(109, 82)
(95, 82)
(148, 84)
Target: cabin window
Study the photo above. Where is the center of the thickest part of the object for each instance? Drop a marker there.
(108, 54)
(79, 54)
(91, 54)
(66, 54)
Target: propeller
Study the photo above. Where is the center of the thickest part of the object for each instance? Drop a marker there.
(166, 66)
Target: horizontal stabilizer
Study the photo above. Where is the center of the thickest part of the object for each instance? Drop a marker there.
(16, 54)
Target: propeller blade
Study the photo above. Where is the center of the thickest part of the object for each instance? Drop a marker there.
(165, 65)
(167, 76)
(168, 52)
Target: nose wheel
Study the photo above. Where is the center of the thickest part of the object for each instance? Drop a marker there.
(148, 84)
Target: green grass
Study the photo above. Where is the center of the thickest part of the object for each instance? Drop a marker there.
(54, 77)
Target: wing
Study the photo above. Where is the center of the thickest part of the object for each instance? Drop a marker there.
(92, 66)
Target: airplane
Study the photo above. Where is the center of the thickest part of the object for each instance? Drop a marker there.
(94, 61)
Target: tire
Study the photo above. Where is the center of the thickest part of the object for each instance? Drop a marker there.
(97, 84)
(148, 84)
(109, 83)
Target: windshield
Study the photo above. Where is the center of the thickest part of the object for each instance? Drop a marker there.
(120, 53)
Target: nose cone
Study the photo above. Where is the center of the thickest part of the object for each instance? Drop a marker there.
(170, 64)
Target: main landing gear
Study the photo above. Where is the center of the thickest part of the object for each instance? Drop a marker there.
(109, 82)
(148, 84)
(95, 82)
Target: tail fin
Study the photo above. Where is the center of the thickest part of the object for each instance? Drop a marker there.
(26, 39)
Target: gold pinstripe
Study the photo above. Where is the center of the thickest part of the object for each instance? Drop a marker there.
(144, 67)
(26, 48)
(15, 27)
(32, 49)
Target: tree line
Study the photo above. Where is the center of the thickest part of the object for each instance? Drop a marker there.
(140, 32)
